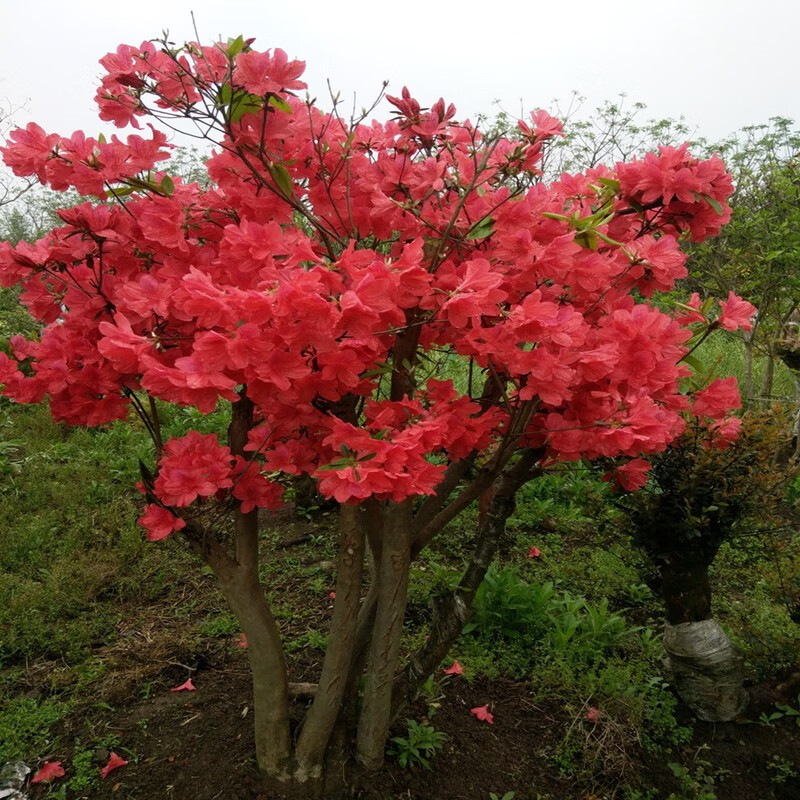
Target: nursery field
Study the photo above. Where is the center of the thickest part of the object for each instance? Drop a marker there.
(564, 650)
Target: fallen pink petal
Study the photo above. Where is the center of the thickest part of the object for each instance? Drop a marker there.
(114, 762)
(49, 772)
(593, 715)
(456, 669)
(534, 552)
(243, 640)
(483, 714)
(185, 687)
(332, 595)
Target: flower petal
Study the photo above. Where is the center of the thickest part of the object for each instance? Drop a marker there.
(114, 762)
(483, 714)
(49, 772)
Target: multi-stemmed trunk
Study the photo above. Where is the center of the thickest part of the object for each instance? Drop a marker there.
(362, 687)
(707, 669)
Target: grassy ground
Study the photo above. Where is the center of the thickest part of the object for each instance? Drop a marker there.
(93, 618)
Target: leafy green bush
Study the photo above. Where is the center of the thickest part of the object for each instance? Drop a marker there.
(418, 746)
(508, 607)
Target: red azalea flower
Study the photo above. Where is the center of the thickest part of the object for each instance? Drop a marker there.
(483, 714)
(114, 762)
(188, 686)
(49, 772)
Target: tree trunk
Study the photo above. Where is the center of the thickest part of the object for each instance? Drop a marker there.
(796, 422)
(686, 589)
(321, 717)
(747, 400)
(240, 584)
(375, 719)
(245, 595)
(707, 670)
(766, 384)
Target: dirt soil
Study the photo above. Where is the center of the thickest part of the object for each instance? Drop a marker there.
(199, 745)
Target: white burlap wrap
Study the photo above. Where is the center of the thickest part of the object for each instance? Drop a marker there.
(707, 670)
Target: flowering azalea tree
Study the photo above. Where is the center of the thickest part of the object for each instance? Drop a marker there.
(315, 288)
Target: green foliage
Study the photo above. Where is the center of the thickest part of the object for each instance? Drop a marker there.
(635, 793)
(699, 783)
(756, 253)
(419, 746)
(508, 607)
(25, 726)
(789, 710)
(70, 549)
(14, 318)
(224, 624)
(577, 653)
(505, 605)
(83, 775)
(699, 495)
(432, 694)
(783, 710)
(781, 769)
(570, 498)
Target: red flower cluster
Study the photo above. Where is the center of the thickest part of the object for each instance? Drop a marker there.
(686, 192)
(320, 254)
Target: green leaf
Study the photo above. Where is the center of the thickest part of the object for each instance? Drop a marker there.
(122, 191)
(224, 95)
(608, 239)
(481, 229)
(342, 463)
(167, 186)
(715, 204)
(235, 46)
(696, 364)
(282, 179)
(280, 103)
(609, 183)
(245, 103)
(383, 369)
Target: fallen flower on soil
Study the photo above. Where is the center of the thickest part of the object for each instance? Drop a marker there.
(534, 552)
(593, 715)
(49, 772)
(185, 687)
(243, 640)
(483, 714)
(456, 669)
(114, 762)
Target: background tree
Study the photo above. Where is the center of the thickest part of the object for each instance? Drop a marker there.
(317, 287)
(757, 254)
(615, 131)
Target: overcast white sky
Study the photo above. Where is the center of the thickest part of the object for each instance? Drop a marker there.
(721, 64)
